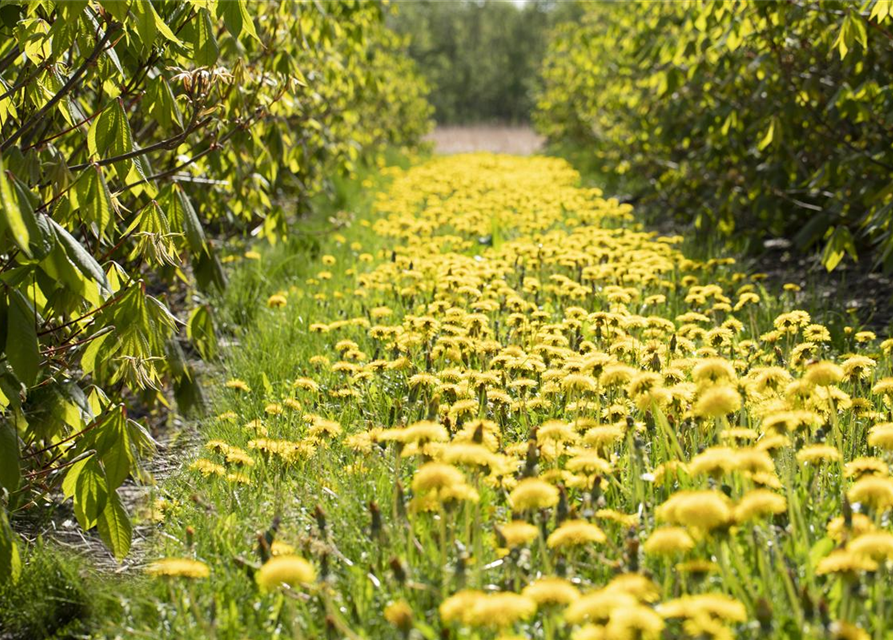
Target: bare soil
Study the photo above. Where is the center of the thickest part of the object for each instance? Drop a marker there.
(515, 140)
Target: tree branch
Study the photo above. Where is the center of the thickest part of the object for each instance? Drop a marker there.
(66, 88)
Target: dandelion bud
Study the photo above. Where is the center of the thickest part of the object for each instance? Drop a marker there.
(320, 517)
(764, 615)
(561, 512)
(398, 570)
(375, 528)
(263, 547)
(190, 537)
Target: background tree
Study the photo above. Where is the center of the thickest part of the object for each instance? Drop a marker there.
(481, 58)
(744, 119)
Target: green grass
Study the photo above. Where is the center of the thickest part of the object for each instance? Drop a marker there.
(348, 511)
(58, 595)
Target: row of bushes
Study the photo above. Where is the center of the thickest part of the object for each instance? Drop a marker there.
(752, 119)
(134, 138)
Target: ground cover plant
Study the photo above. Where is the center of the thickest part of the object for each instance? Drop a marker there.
(137, 138)
(492, 405)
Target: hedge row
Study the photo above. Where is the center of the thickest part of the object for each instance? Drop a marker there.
(753, 119)
(134, 137)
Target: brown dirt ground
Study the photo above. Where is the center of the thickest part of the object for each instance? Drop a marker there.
(516, 140)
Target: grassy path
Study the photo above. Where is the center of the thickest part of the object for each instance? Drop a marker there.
(492, 404)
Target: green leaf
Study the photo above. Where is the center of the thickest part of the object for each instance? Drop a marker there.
(90, 494)
(110, 136)
(200, 330)
(22, 348)
(95, 199)
(840, 243)
(165, 30)
(206, 50)
(820, 549)
(88, 358)
(183, 217)
(237, 18)
(115, 528)
(145, 19)
(10, 473)
(769, 135)
(10, 561)
(118, 8)
(113, 448)
(69, 483)
(81, 258)
(12, 215)
(881, 10)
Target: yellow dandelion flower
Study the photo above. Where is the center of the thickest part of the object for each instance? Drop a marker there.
(551, 591)
(289, 570)
(533, 493)
(668, 541)
(399, 615)
(574, 533)
(717, 401)
(875, 491)
(698, 509)
(758, 504)
(179, 568)
(843, 561)
(518, 533)
(276, 301)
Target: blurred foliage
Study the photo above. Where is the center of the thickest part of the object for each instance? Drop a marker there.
(750, 119)
(134, 137)
(480, 57)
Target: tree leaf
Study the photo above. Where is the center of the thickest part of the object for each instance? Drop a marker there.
(183, 217)
(10, 561)
(90, 494)
(840, 243)
(237, 18)
(115, 528)
(10, 472)
(88, 358)
(22, 349)
(113, 448)
(12, 215)
(96, 199)
(70, 482)
(206, 51)
(200, 330)
(81, 258)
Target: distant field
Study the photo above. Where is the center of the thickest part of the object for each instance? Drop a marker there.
(517, 140)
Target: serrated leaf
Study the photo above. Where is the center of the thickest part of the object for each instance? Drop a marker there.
(12, 215)
(10, 472)
(96, 199)
(200, 330)
(165, 30)
(184, 218)
(10, 561)
(206, 51)
(90, 494)
(115, 528)
(113, 447)
(144, 19)
(110, 136)
(69, 483)
(237, 18)
(88, 358)
(81, 258)
(22, 348)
